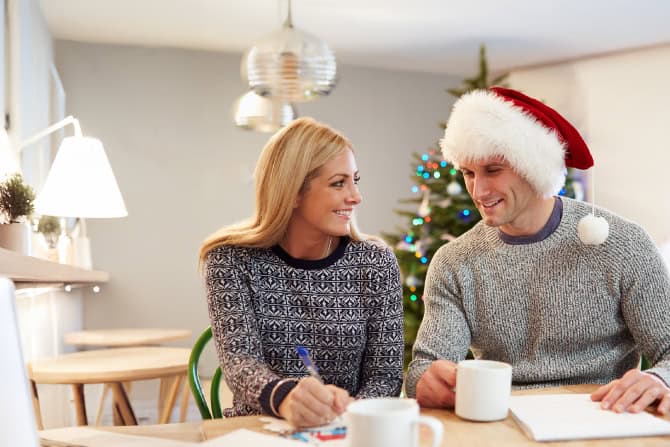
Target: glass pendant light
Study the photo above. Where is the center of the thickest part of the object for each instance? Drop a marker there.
(290, 64)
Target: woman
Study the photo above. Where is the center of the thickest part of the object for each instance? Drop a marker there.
(299, 273)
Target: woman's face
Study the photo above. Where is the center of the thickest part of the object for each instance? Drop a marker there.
(327, 202)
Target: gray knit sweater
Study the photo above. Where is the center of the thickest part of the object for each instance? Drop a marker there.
(559, 311)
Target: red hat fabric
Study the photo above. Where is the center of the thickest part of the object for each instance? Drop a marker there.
(534, 138)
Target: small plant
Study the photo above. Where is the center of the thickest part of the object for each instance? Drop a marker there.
(16, 199)
(49, 226)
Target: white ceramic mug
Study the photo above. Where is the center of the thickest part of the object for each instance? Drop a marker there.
(388, 422)
(483, 389)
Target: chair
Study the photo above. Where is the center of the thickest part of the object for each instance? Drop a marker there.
(645, 363)
(194, 379)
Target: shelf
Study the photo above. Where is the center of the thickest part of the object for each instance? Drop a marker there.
(28, 271)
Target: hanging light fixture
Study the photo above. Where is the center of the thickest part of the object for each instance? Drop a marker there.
(290, 64)
(263, 114)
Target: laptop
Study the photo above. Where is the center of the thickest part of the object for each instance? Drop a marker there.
(17, 419)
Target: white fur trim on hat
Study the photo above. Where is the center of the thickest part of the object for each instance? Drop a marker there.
(482, 125)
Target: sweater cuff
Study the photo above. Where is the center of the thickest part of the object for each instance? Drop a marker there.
(661, 373)
(414, 373)
(277, 397)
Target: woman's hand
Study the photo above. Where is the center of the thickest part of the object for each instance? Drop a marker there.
(312, 403)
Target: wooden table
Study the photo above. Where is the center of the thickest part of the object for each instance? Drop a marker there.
(457, 432)
(112, 366)
(125, 337)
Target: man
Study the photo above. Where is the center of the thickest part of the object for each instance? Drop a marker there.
(563, 296)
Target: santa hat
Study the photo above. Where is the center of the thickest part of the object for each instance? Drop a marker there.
(535, 139)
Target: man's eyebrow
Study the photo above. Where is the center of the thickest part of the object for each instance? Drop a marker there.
(494, 164)
(486, 166)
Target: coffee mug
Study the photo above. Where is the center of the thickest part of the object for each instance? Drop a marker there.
(483, 389)
(387, 422)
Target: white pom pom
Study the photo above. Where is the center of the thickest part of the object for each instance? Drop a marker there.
(593, 230)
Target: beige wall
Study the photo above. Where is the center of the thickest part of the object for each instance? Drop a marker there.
(30, 56)
(621, 105)
(184, 169)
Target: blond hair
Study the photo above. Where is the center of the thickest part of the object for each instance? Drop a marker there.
(289, 160)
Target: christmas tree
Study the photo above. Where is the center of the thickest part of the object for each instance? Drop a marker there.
(445, 211)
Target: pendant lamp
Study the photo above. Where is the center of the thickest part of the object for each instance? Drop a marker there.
(263, 114)
(290, 64)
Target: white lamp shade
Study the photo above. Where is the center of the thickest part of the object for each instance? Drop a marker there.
(255, 112)
(81, 183)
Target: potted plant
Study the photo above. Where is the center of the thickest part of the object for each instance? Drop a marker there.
(49, 229)
(16, 204)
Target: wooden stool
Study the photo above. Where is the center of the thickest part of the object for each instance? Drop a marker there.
(113, 366)
(125, 338)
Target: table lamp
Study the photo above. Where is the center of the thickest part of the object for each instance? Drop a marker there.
(80, 184)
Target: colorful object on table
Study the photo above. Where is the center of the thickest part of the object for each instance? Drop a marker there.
(318, 434)
(329, 435)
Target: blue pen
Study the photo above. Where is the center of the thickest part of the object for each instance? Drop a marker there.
(311, 368)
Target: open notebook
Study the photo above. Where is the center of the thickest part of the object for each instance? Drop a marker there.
(562, 417)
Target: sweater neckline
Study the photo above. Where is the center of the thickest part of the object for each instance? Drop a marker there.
(307, 264)
(547, 230)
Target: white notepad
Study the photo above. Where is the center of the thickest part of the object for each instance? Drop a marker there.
(560, 417)
(90, 437)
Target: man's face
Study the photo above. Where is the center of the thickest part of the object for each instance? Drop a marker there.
(504, 198)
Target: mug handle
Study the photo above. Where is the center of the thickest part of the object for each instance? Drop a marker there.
(435, 426)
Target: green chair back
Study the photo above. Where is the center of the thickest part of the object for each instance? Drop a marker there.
(644, 363)
(194, 379)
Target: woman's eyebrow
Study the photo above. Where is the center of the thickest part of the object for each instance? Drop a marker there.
(343, 175)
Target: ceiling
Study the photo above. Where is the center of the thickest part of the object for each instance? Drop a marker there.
(436, 36)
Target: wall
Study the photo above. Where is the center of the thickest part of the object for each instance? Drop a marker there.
(620, 104)
(184, 169)
(30, 55)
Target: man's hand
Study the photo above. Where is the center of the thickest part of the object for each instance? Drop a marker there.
(312, 403)
(436, 386)
(634, 392)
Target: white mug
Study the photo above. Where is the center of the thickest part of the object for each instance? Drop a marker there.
(388, 422)
(483, 389)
